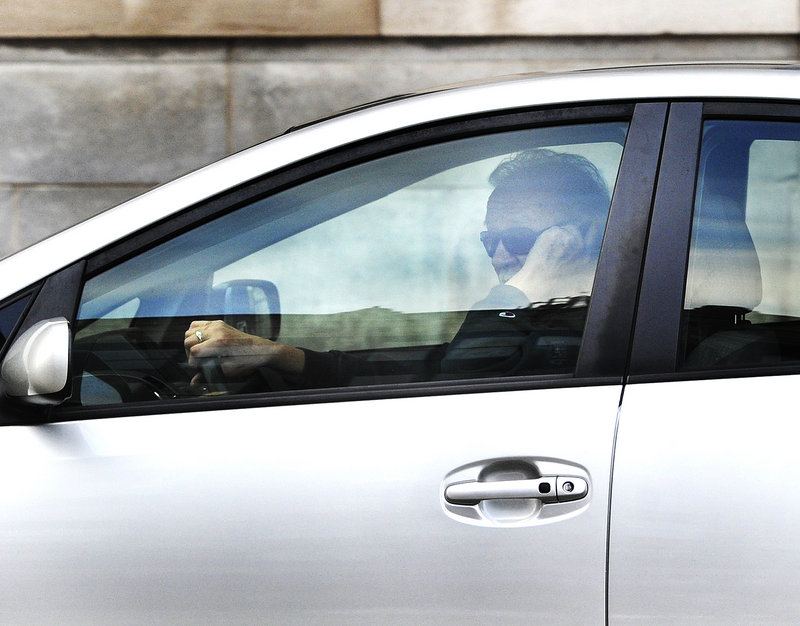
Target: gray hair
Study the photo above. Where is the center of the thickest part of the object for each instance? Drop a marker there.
(571, 176)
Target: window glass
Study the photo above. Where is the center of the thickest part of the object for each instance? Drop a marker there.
(9, 316)
(742, 302)
(469, 258)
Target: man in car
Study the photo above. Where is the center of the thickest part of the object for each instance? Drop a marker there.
(544, 224)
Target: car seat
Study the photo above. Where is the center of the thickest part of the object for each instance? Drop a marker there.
(723, 286)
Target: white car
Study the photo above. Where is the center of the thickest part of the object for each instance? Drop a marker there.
(520, 351)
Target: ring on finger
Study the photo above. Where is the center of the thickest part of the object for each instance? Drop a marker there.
(199, 335)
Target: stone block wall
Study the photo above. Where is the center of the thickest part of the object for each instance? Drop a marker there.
(103, 99)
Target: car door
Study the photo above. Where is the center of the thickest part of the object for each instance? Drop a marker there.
(704, 521)
(395, 485)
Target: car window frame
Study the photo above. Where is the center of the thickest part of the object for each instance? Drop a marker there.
(656, 348)
(23, 299)
(605, 351)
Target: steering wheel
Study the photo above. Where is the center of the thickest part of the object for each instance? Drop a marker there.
(126, 361)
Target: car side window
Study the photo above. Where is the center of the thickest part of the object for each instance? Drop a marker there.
(742, 302)
(469, 258)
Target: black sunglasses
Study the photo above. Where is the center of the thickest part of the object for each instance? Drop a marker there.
(517, 241)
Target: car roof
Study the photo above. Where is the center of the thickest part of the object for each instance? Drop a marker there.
(723, 81)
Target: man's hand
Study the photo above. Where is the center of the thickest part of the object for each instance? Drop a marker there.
(557, 266)
(239, 354)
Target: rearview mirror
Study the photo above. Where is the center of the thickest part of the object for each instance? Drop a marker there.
(37, 363)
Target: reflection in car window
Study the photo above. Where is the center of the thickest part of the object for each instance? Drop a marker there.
(742, 303)
(470, 258)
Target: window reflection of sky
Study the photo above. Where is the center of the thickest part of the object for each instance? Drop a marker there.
(415, 250)
(399, 232)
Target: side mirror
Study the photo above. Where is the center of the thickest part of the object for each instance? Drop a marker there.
(37, 364)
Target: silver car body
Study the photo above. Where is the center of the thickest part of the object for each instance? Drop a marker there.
(335, 513)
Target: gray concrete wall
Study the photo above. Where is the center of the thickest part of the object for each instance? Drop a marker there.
(87, 123)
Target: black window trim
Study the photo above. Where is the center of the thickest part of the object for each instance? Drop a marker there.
(607, 336)
(28, 295)
(656, 329)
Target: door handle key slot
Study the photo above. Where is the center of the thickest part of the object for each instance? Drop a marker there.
(548, 489)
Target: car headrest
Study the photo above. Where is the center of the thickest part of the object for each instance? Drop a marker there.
(723, 264)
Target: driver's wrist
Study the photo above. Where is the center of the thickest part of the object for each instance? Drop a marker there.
(288, 359)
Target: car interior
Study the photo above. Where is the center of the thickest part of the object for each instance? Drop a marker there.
(725, 322)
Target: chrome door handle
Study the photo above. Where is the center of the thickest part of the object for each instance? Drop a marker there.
(516, 491)
(547, 489)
